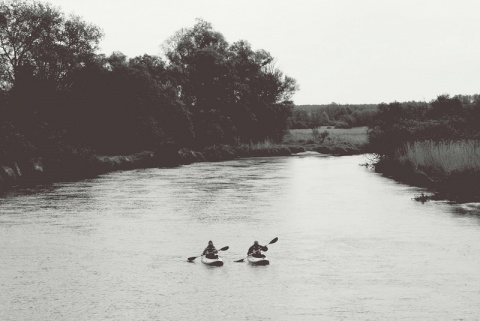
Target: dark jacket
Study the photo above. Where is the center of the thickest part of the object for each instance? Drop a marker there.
(210, 252)
(256, 249)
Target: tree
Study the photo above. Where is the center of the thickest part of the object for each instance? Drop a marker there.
(121, 105)
(232, 92)
(37, 40)
(197, 59)
(444, 106)
(39, 49)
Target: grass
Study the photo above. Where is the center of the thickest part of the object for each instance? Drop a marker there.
(266, 144)
(442, 158)
(451, 168)
(335, 137)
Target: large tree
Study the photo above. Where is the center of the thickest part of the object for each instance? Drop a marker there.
(37, 39)
(39, 48)
(233, 92)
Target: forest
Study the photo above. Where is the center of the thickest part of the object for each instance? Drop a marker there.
(60, 97)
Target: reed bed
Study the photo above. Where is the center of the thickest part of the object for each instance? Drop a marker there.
(266, 144)
(442, 158)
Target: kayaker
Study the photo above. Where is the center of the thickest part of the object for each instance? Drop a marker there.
(210, 251)
(256, 250)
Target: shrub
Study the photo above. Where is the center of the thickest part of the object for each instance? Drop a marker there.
(342, 125)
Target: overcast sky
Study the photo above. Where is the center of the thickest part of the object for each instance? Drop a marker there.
(343, 51)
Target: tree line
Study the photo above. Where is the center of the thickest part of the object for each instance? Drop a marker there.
(335, 115)
(443, 119)
(57, 91)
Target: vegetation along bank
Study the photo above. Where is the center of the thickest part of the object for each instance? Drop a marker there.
(434, 144)
(67, 111)
(62, 103)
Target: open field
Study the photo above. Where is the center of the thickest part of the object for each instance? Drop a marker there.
(329, 137)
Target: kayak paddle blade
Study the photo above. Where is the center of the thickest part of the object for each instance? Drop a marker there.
(274, 240)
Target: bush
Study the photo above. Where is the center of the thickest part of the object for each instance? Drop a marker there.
(342, 125)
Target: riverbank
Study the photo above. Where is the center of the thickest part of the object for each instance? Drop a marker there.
(80, 164)
(458, 187)
(41, 170)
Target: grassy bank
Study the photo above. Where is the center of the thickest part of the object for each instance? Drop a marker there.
(442, 159)
(451, 169)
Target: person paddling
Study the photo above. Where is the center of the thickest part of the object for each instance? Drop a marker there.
(210, 251)
(256, 250)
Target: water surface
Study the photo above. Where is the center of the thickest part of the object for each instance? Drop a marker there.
(352, 246)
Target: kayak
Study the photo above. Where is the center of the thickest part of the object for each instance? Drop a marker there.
(212, 262)
(258, 260)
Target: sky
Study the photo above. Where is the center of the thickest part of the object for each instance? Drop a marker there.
(342, 51)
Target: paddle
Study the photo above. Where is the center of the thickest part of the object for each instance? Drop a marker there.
(271, 242)
(190, 259)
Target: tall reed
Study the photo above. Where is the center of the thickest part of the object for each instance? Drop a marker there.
(442, 158)
(266, 144)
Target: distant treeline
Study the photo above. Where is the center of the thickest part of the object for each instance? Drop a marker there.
(443, 119)
(58, 93)
(335, 115)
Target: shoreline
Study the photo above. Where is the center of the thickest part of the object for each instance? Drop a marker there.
(41, 170)
(458, 188)
(38, 171)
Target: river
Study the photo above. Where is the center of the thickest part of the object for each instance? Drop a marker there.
(353, 245)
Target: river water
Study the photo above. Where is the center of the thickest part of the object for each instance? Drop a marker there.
(353, 245)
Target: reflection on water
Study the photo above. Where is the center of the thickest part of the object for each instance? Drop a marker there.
(471, 210)
(352, 245)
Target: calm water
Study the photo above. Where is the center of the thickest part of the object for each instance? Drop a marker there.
(352, 246)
